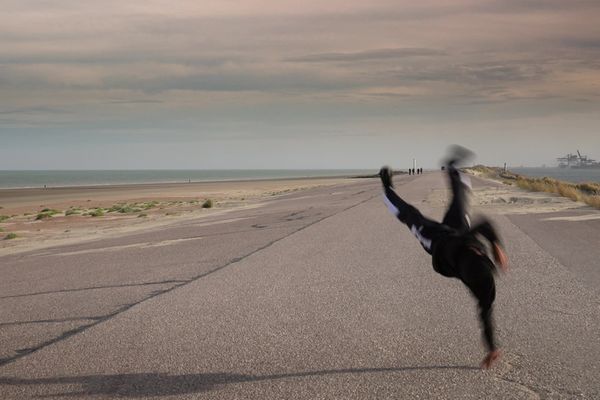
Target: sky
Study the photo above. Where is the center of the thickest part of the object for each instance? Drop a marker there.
(215, 84)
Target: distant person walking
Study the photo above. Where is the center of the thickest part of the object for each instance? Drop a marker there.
(456, 248)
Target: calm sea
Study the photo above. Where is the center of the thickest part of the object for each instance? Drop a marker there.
(564, 174)
(33, 179)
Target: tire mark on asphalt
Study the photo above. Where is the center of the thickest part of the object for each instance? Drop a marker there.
(94, 288)
(49, 321)
(72, 332)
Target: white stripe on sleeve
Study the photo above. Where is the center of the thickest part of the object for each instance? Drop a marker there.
(390, 206)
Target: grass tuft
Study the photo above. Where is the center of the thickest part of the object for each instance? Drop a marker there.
(149, 205)
(10, 236)
(98, 212)
(46, 213)
(4, 218)
(128, 208)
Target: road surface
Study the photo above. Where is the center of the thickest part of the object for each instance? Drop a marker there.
(318, 294)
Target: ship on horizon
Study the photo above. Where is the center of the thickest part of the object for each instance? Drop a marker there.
(577, 161)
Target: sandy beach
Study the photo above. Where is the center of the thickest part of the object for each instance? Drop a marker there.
(70, 214)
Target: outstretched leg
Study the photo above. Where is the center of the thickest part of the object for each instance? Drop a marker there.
(424, 229)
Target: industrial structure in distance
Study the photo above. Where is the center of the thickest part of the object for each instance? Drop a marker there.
(577, 161)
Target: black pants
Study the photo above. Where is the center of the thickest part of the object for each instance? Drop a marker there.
(452, 240)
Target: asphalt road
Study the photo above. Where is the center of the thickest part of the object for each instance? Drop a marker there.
(317, 294)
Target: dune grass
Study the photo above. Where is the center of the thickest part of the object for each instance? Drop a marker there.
(46, 213)
(588, 193)
(126, 208)
(72, 211)
(98, 212)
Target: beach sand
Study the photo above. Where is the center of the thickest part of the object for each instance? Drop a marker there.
(141, 207)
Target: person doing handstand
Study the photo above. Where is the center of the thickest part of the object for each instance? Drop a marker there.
(456, 247)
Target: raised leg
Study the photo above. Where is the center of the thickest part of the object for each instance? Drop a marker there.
(457, 216)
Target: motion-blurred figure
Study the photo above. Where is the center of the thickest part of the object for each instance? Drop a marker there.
(457, 249)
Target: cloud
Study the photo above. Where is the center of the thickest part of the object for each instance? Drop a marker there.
(135, 101)
(369, 55)
(229, 57)
(34, 110)
(533, 6)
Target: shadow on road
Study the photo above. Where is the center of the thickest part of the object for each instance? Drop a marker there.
(160, 384)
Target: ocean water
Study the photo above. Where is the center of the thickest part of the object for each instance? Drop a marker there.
(563, 174)
(37, 179)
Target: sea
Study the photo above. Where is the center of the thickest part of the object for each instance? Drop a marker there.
(71, 178)
(563, 174)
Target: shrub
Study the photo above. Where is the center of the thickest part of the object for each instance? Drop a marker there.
(207, 203)
(42, 215)
(4, 218)
(46, 213)
(117, 208)
(72, 211)
(150, 205)
(98, 212)
(127, 208)
(10, 236)
(142, 215)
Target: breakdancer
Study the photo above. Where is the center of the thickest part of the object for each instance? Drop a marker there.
(457, 249)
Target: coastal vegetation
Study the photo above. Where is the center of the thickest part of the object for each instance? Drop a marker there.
(124, 209)
(138, 208)
(588, 193)
(46, 213)
(98, 212)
